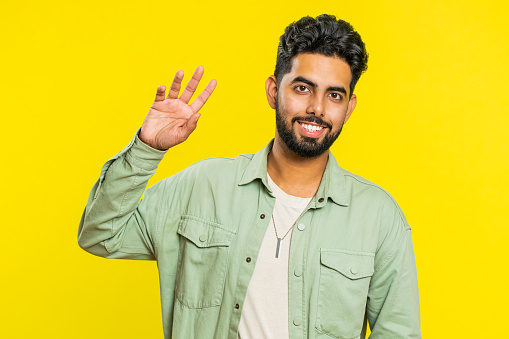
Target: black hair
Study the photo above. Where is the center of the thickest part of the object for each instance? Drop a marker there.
(324, 35)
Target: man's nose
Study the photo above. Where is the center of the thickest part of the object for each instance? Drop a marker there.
(315, 106)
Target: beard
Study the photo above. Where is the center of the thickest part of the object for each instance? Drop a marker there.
(304, 147)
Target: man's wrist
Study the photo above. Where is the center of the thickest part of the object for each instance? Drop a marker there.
(143, 155)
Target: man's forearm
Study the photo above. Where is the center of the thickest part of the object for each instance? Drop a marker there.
(110, 217)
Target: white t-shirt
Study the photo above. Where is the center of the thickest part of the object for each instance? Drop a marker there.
(265, 311)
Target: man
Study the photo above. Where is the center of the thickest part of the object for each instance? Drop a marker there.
(280, 244)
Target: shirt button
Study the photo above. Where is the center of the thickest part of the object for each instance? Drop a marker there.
(297, 322)
(301, 227)
(262, 216)
(297, 272)
(320, 200)
(203, 237)
(237, 306)
(353, 270)
(248, 259)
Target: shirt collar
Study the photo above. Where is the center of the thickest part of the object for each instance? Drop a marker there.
(333, 184)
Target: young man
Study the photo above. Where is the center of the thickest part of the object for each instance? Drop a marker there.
(280, 244)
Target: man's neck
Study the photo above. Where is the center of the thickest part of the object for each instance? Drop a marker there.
(295, 175)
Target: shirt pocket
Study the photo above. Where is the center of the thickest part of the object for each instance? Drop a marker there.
(343, 292)
(203, 260)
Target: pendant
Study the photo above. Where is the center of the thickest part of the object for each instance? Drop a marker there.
(278, 245)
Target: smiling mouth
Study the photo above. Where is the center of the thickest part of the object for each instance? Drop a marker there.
(311, 127)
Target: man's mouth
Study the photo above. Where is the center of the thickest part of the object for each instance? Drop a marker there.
(310, 127)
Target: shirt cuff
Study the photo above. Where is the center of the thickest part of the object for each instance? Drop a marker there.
(144, 156)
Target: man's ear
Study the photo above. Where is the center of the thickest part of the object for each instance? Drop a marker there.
(351, 105)
(271, 91)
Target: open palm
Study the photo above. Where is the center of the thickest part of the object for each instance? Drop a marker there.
(171, 120)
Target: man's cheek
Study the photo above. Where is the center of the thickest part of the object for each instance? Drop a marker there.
(295, 108)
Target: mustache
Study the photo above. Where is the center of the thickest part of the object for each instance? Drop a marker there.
(316, 120)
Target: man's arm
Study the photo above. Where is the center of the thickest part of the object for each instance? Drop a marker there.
(393, 299)
(116, 223)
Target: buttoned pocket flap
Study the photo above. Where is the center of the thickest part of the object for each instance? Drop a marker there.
(353, 265)
(205, 233)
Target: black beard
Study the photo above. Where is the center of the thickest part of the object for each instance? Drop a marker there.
(306, 147)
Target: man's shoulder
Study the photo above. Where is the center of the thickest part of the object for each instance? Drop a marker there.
(367, 193)
(218, 167)
(360, 184)
(222, 163)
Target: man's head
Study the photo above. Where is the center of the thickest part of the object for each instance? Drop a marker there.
(326, 36)
(319, 62)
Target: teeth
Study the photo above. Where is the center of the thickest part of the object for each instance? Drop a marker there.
(312, 128)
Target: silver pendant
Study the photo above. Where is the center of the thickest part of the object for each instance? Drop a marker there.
(278, 245)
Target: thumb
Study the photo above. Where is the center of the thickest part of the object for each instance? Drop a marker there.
(191, 123)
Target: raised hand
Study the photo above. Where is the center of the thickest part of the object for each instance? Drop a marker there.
(170, 121)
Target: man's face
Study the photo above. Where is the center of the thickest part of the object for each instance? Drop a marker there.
(312, 103)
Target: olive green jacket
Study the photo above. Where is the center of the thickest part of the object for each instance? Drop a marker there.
(351, 256)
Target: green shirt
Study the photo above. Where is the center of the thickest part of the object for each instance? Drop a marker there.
(351, 254)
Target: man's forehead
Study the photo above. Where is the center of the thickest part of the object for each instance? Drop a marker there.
(321, 69)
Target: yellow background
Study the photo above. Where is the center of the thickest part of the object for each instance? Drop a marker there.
(77, 79)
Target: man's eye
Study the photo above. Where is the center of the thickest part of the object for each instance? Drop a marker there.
(336, 96)
(301, 88)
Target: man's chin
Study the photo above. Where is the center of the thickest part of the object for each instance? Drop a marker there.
(306, 147)
(310, 141)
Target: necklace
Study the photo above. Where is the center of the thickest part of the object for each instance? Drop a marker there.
(274, 223)
(284, 236)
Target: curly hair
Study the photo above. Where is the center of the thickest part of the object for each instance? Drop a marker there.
(324, 35)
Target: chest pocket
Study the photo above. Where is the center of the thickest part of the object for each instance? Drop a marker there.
(203, 260)
(343, 292)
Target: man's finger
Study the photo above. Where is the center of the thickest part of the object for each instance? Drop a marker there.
(190, 125)
(204, 96)
(192, 85)
(160, 93)
(173, 93)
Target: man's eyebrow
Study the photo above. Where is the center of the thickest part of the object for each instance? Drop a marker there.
(337, 89)
(312, 84)
(304, 80)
